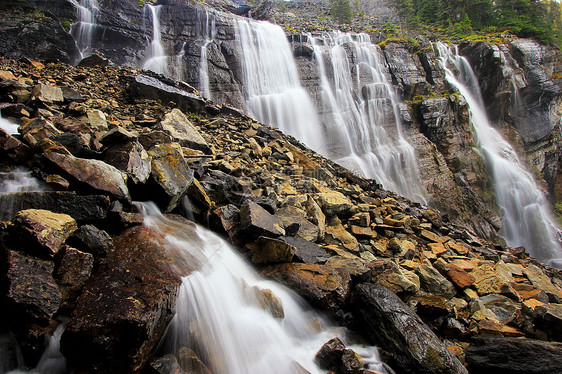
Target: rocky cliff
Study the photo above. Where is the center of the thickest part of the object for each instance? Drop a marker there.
(520, 81)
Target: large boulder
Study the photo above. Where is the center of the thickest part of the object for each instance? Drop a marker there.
(321, 285)
(32, 293)
(400, 331)
(171, 173)
(123, 312)
(182, 130)
(96, 174)
(498, 355)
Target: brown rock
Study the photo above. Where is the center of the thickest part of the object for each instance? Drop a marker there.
(32, 291)
(459, 277)
(321, 285)
(256, 220)
(270, 251)
(40, 232)
(72, 272)
(95, 173)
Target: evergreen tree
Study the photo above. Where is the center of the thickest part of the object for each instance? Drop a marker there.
(341, 11)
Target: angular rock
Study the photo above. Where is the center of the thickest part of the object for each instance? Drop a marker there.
(256, 220)
(389, 275)
(267, 300)
(401, 331)
(12, 147)
(336, 230)
(487, 280)
(31, 290)
(269, 251)
(123, 312)
(94, 173)
(292, 215)
(321, 285)
(48, 94)
(182, 130)
(148, 87)
(334, 203)
(83, 208)
(539, 279)
(433, 282)
(130, 158)
(72, 272)
(37, 130)
(354, 265)
(305, 251)
(458, 276)
(190, 362)
(94, 60)
(97, 120)
(171, 173)
(94, 241)
(167, 365)
(497, 355)
(549, 319)
(40, 232)
(116, 136)
(333, 356)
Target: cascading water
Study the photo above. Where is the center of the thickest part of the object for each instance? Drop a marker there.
(526, 218)
(87, 13)
(274, 94)
(358, 102)
(207, 30)
(157, 59)
(9, 127)
(219, 315)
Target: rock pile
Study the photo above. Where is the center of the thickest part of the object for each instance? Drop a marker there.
(432, 295)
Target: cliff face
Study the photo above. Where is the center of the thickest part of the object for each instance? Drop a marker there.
(519, 81)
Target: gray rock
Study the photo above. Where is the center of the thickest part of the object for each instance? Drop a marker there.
(433, 282)
(497, 355)
(130, 158)
(182, 130)
(401, 332)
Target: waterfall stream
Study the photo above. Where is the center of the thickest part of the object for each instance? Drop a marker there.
(87, 13)
(9, 127)
(361, 113)
(525, 213)
(219, 315)
(157, 59)
(207, 31)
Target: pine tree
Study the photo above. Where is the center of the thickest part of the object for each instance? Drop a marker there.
(341, 11)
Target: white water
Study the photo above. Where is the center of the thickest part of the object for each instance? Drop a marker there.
(219, 317)
(361, 113)
(9, 127)
(273, 92)
(207, 31)
(157, 59)
(87, 12)
(525, 213)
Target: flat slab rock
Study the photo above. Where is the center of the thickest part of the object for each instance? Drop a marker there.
(125, 307)
(499, 355)
(401, 332)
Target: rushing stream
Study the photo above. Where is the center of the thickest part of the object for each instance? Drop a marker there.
(524, 208)
(220, 317)
(83, 29)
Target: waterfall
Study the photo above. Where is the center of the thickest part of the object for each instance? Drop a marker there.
(207, 31)
(220, 318)
(272, 89)
(9, 127)
(157, 59)
(87, 13)
(525, 214)
(360, 112)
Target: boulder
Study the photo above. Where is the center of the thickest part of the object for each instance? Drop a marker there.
(31, 290)
(498, 355)
(72, 272)
(182, 130)
(269, 251)
(93, 240)
(171, 173)
(305, 251)
(97, 120)
(40, 232)
(130, 158)
(47, 93)
(433, 282)
(334, 203)
(549, 319)
(83, 208)
(37, 130)
(94, 173)
(333, 356)
(123, 312)
(321, 285)
(400, 331)
(148, 87)
(257, 221)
